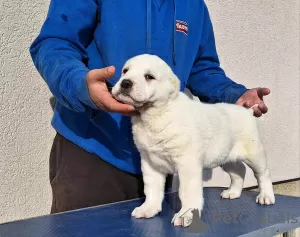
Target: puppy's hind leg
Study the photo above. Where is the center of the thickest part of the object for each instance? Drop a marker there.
(154, 182)
(236, 171)
(257, 161)
(190, 191)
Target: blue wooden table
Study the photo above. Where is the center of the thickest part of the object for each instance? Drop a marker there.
(220, 218)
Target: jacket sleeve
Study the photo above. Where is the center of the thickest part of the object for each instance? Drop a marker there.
(207, 80)
(59, 51)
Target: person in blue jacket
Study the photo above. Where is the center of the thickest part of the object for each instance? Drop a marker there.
(80, 51)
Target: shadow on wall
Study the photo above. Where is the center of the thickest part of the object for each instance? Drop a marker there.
(189, 94)
(52, 102)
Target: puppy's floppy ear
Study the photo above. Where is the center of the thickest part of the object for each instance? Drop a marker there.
(175, 81)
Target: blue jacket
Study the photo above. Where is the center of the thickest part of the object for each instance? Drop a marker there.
(80, 35)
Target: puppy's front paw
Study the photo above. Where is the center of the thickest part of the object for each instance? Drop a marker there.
(184, 217)
(265, 199)
(230, 194)
(146, 211)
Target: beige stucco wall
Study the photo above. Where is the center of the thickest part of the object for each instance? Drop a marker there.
(258, 43)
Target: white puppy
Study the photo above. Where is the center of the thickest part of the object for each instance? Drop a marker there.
(174, 133)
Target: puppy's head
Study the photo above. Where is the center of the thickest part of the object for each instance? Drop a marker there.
(146, 80)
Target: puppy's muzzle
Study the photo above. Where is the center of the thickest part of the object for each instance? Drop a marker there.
(126, 84)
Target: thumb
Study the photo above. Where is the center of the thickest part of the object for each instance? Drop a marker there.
(103, 73)
(263, 92)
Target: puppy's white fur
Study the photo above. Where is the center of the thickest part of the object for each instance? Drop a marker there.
(176, 134)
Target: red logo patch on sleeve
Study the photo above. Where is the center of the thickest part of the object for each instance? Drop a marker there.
(182, 26)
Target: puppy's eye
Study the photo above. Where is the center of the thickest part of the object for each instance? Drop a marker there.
(149, 77)
(125, 70)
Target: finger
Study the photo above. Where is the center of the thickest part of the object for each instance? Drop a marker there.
(103, 73)
(112, 105)
(240, 102)
(119, 107)
(263, 92)
(107, 102)
(263, 108)
(247, 104)
(257, 112)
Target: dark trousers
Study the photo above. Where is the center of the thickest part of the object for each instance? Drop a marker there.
(79, 179)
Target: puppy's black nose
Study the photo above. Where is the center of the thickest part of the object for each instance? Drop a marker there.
(126, 84)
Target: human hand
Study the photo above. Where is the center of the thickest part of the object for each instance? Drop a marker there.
(103, 99)
(254, 98)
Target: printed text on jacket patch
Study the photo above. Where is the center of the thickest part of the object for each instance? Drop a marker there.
(182, 26)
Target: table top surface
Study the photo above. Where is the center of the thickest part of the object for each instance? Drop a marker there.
(220, 217)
